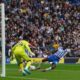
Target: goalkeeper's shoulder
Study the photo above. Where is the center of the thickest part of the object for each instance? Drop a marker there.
(25, 42)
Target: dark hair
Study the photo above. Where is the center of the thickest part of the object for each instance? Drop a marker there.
(25, 37)
(66, 45)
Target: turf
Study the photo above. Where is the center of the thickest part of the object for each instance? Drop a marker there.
(62, 72)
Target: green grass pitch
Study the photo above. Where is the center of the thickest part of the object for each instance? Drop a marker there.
(62, 72)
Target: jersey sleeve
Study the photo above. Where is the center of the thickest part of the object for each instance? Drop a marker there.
(29, 50)
(26, 43)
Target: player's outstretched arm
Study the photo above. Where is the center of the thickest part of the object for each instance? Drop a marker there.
(76, 49)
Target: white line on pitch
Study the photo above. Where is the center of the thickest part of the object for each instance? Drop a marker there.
(25, 78)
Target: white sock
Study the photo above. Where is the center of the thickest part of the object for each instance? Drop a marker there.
(26, 67)
(23, 72)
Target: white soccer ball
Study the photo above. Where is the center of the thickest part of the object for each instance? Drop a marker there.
(32, 67)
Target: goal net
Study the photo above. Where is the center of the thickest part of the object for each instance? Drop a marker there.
(2, 40)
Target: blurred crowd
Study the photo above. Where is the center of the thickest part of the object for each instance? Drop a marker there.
(46, 24)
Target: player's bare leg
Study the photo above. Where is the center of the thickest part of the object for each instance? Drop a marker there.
(45, 59)
(53, 66)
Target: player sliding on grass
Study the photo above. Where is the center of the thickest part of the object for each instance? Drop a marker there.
(54, 58)
(19, 50)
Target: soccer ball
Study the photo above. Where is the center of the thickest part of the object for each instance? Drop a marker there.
(32, 67)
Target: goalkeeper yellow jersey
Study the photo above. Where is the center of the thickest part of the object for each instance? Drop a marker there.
(22, 44)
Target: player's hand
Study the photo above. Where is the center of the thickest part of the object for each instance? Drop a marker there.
(32, 55)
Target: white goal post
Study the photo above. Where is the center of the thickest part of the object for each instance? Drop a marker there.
(2, 6)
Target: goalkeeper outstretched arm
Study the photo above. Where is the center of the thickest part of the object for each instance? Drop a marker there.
(29, 50)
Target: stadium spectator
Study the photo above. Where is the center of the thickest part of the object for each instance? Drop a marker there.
(43, 21)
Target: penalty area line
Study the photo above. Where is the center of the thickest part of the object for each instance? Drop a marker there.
(24, 78)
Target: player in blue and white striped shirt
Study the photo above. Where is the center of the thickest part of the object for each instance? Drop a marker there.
(54, 58)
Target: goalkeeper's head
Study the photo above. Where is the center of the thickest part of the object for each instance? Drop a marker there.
(25, 37)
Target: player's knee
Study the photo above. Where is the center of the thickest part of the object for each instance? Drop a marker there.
(45, 59)
(53, 65)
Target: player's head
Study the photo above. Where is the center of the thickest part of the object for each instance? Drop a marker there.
(56, 44)
(25, 38)
(66, 45)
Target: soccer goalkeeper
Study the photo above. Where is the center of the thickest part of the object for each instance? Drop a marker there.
(20, 51)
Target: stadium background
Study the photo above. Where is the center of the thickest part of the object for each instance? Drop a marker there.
(45, 23)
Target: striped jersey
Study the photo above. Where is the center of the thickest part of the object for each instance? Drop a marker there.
(61, 53)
